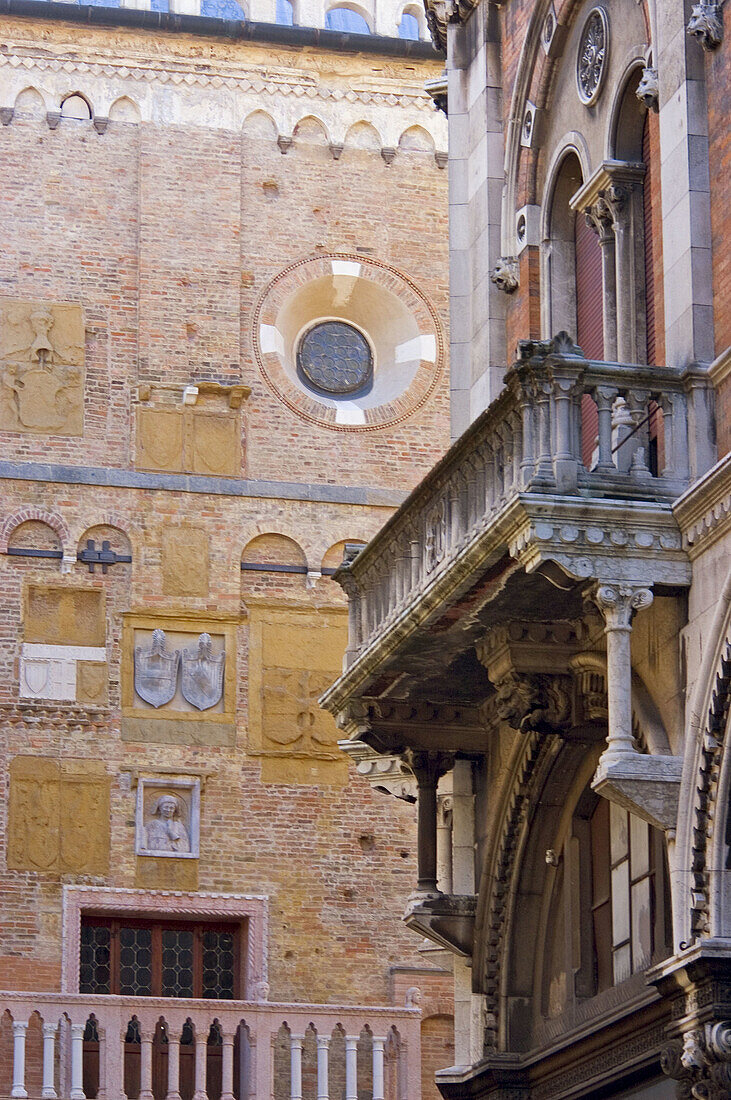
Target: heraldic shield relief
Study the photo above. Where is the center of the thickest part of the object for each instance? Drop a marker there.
(156, 671)
(202, 679)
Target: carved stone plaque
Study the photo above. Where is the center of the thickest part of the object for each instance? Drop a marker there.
(41, 367)
(185, 555)
(58, 817)
(293, 657)
(202, 677)
(190, 440)
(156, 671)
(91, 682)
(168, 817)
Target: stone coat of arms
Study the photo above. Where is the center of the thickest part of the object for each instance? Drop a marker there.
(202, 679)
(156, 671)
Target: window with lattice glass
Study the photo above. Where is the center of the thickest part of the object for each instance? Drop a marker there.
(159, 958)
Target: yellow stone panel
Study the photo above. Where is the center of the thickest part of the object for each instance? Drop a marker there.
(159, 873)
(294, 655)
(60, 615)
(41, 367)
(58, 816)
(185, 556)
(160, 439)
(213, 445)
(91, 682)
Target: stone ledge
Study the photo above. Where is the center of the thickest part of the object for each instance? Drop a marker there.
(648, 786)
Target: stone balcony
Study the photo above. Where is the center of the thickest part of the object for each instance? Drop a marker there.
(504, 588)
(79, 1046)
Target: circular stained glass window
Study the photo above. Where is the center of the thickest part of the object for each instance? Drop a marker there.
(334, 358)
(591, 60)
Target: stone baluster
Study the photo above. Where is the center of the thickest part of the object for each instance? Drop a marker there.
(173, 1092)
(527, 415)
(428, 768)
(295, 1062)
(517, 442)
(201, 1053)
(146, 1038)
(102, 1091)
(48, 1092)
(605, 396)
(638, 403)
(415, 545)
(544, 465)
(20, 1027)
(323, 1087)
(77, 1062)
(618, 603)
(675, 412)
(454, 526)
(565, 461)
(379, 1046)
(351, 1068)
(227, 1066)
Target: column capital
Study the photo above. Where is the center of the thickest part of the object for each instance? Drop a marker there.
(428, 766)
(49, 1031)
(618, 603)
(323, 1042)
(77, 1031)
(20, 1027)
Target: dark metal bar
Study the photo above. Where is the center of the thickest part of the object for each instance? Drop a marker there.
(26, 552)
(271, 567)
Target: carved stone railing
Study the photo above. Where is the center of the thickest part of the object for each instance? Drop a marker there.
(526, 449)
(353, 1052)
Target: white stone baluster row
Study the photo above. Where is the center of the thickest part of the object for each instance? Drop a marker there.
(257, 1025)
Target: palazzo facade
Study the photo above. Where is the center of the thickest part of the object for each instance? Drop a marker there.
(223, 355)
(542, 631)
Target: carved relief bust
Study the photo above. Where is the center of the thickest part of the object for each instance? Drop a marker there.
(168, 817)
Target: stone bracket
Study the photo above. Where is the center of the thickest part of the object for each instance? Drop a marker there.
(447, 919)
(647, 786)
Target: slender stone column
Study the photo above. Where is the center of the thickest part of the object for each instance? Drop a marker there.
(428, 767)
(173, 1092)
(227, 1068)
(295, 1062)
(323, 1087)
(201, 1051)
(351, 1068)
(146, 1067)
(444, 843)
(378, 1075)
(102, 1091)
(77, 1062)
(617, 603)
(48, 1092)
(20, 1028)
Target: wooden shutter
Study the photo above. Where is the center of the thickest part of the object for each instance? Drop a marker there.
(649, 241)
(589, 321)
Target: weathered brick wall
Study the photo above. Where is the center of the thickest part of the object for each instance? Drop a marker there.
(167, 234)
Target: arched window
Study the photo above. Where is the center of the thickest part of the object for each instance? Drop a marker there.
(285, 13)
(76, 107)
(347, 21)
(409, 27)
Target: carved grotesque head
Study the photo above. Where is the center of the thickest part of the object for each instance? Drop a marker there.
(705, 25)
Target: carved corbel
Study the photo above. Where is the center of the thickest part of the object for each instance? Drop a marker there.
(284, 142)
(436, 88)
(529, 702)
(505, 274)
(336, 149)
(706, 25)
(648, 89)
(702, 1064)
(388, 153)
(6, 115)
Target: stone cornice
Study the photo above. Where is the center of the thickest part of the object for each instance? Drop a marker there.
(608, 174)
(703, 512)
(720, 368)
(632, 541)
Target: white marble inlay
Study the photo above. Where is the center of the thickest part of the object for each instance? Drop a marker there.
(421, 347)
(270, 339)
(64, 652)
(346, 267)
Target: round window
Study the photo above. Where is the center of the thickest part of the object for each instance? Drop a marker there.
(334, 358)
(591, 59)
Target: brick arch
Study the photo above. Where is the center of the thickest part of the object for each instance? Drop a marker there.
(30, 512)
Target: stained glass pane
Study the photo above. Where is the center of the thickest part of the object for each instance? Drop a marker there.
(218, 965)
(135, 962)
(94, 974)
(335, 358)
(177, 962)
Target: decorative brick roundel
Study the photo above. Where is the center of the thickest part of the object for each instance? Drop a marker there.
(334, 358)
(347, 342)
(591, 60)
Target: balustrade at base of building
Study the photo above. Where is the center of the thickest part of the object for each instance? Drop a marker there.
(57, 1046)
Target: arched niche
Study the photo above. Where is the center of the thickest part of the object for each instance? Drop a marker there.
(36, 544)
(559, 246)
(273, 561)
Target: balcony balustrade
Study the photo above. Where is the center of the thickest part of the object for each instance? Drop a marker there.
(519, 469)
(113, 1048)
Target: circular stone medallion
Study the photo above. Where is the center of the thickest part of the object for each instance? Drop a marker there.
(334, 358)
(591, 60)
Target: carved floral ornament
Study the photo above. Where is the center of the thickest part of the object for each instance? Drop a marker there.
(593, 55)
(702, 1064)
